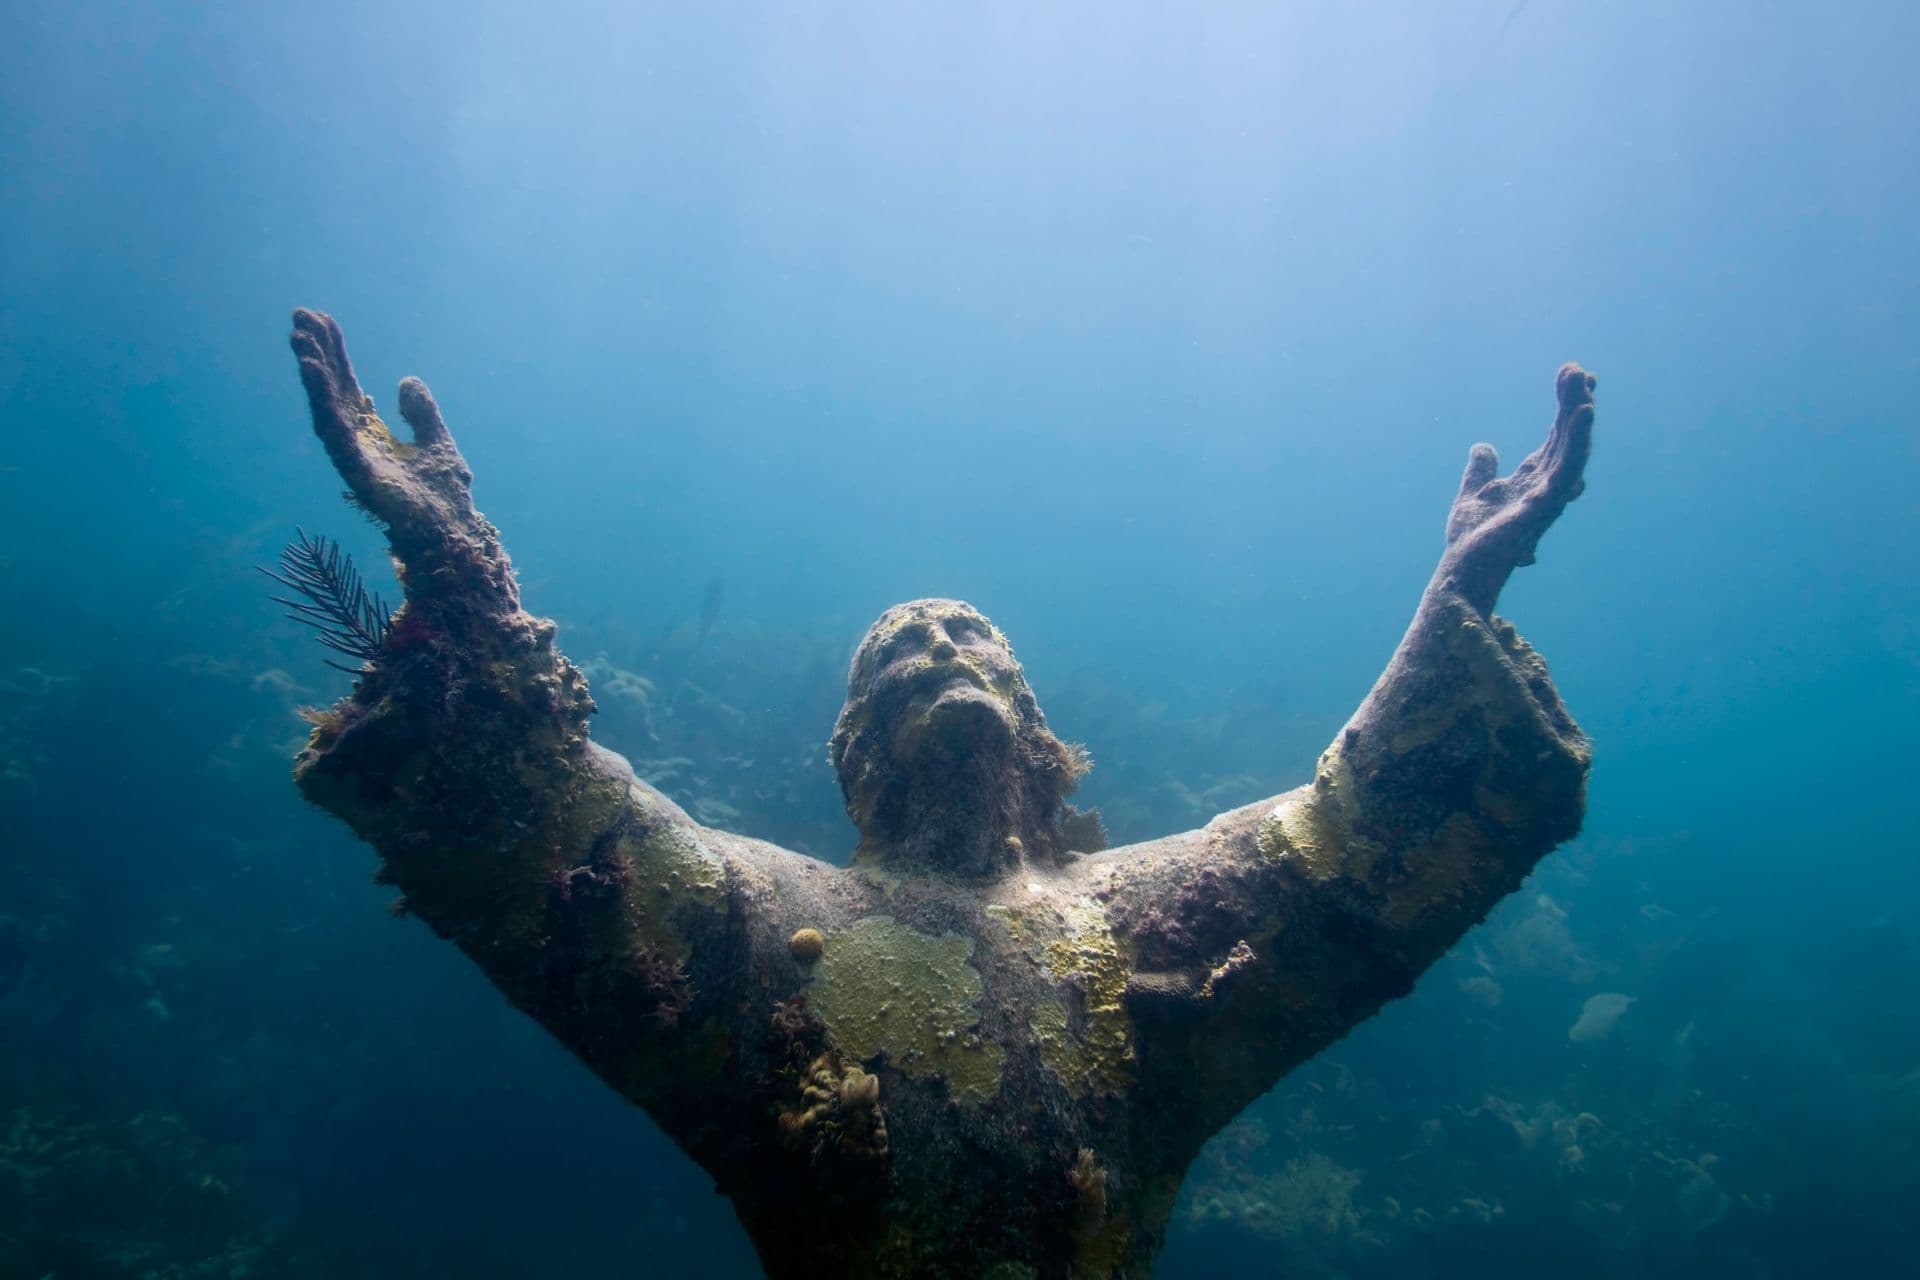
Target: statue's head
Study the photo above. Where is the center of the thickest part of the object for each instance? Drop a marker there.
(943, 754)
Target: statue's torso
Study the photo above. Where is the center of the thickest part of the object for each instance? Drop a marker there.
(941, 1077)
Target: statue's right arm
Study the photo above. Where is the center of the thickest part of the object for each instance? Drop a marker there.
(462, 756)
(1268, 934)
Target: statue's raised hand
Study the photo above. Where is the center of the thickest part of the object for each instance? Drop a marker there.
(464, 678)
(420, 489)
(1496, 521)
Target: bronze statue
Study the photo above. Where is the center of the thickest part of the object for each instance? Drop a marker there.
(978, 1050)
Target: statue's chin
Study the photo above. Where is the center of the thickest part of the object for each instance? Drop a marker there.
(959, 723)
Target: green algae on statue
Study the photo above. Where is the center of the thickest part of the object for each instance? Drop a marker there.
(985, 1048)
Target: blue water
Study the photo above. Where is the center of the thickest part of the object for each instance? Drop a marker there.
(1160, 334)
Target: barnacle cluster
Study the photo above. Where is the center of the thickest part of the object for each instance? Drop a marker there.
(663, 981)
(839, 1112)
(1089, 1181)
(1237, 959)
(1100, 1242)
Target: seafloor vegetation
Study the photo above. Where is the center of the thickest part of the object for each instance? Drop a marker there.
(224, 1060)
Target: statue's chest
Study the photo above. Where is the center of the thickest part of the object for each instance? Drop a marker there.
(1020, 1005)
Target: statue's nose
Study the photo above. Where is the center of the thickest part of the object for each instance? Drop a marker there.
(942, 650)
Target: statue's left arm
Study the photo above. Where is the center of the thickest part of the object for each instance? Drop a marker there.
(1269, 933)
(643, 940)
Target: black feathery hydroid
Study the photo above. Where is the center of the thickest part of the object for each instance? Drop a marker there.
(335, 602)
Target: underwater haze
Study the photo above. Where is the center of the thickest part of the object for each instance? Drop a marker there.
(1159, 333)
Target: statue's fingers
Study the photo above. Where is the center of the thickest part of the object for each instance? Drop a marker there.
(1574, 387)
(333, 395)
(422, 414)
(1483, 464)
(1470, 505)
(1570, 442)
(329, 345)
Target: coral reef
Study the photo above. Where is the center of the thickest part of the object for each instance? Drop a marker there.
(1598, 1016)
(140, 1196)
(25, 693)
(1620, 1148)
(1307, 1197)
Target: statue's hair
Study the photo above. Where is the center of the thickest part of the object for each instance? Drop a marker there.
(1024, 794)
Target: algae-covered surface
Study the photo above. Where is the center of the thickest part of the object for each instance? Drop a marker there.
(884, 989)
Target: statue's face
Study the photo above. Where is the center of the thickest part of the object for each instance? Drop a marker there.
(941, 681)
(941, 749)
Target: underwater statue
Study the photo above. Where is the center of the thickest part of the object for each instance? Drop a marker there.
(978, 1050)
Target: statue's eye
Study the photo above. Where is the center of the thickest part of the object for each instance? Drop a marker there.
(960, 630)
(907, 640)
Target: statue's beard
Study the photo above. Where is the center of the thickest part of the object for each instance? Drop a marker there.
(955, 794)
(958, 729)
